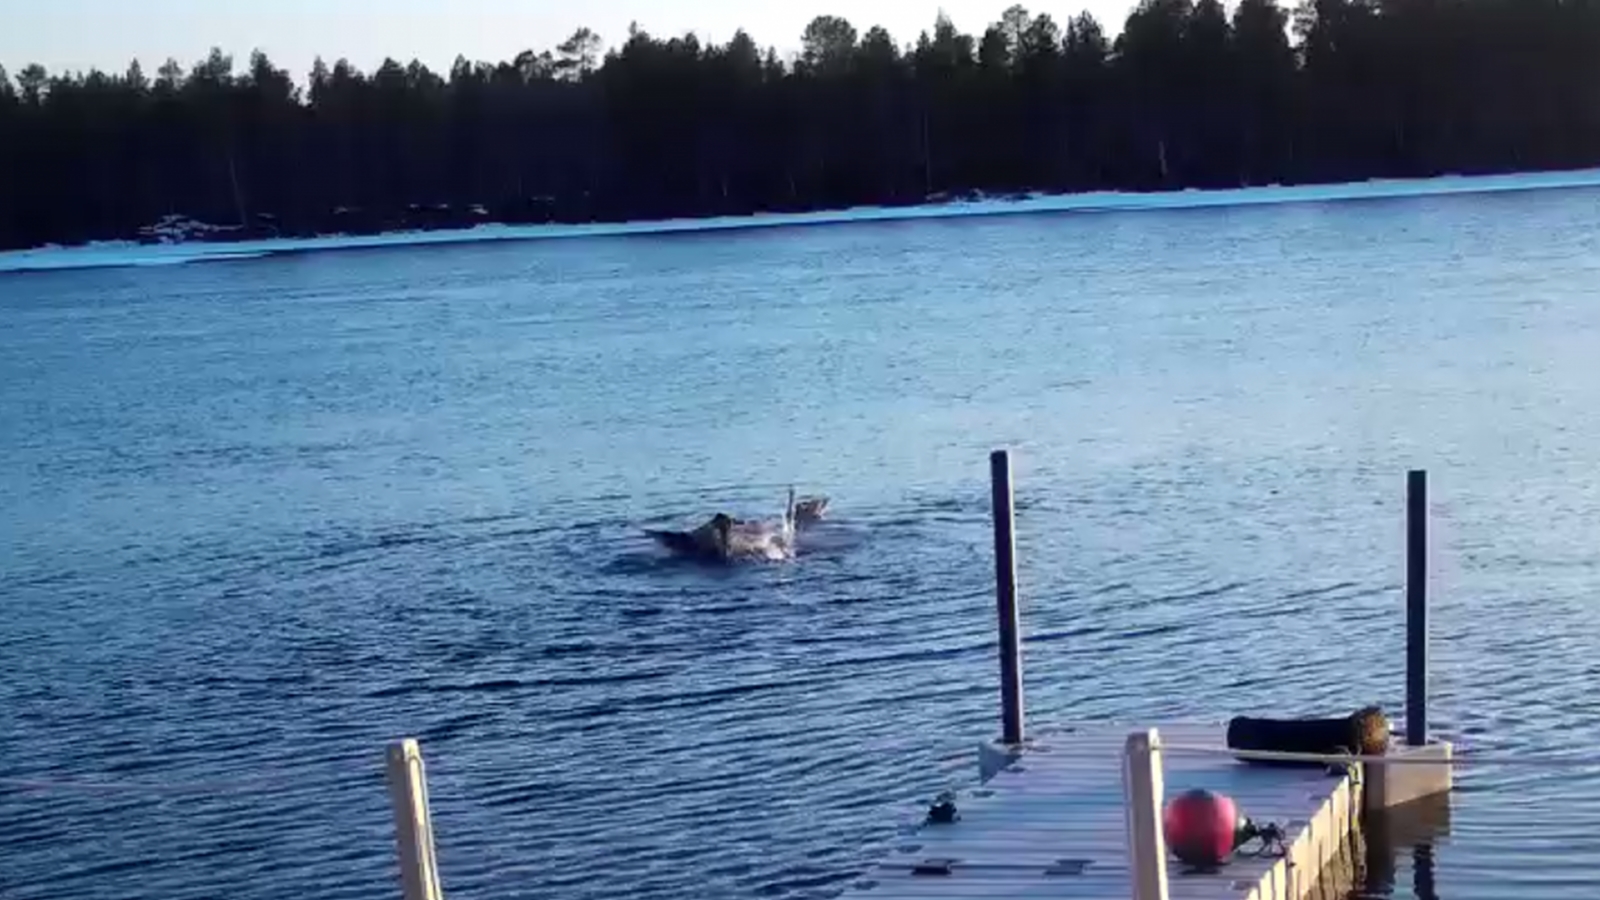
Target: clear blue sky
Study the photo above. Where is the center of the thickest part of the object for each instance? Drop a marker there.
(79, 34)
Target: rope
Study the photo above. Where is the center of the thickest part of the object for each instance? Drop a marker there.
(1520, 759)
(1271, 836)
(230, 786)
(269, 782)
(38, 785)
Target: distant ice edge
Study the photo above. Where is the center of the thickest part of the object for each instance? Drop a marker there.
(129, 254)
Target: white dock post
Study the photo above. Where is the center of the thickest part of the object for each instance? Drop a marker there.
(413, 822)
(1143, 790)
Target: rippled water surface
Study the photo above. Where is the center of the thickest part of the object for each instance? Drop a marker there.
(261, 517)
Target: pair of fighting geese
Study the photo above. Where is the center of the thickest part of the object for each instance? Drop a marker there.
(725, 538)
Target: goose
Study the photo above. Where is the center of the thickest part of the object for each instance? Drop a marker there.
(809, 511)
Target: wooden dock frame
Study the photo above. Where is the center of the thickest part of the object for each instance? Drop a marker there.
(1078, 813)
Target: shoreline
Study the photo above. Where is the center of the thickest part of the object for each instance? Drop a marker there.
(131, 254)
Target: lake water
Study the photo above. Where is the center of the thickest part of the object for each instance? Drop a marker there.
(261, 517)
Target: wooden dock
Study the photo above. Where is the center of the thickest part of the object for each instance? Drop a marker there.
(1077, 812)
(1054, 823)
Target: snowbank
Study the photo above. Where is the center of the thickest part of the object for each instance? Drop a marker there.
(128, 254)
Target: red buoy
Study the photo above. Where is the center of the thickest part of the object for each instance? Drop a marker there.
(1200, 827)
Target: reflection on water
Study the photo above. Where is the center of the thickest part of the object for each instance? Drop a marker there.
(1398, 841)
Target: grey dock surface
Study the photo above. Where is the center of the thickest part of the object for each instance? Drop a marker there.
(1052, 825)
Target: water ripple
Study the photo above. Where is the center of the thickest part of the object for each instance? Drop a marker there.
(403, 494)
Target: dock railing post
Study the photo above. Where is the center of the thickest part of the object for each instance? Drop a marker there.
(1143, 788)
(1417, 608)
(1429, 771)
(1005, 576)
(413, 822)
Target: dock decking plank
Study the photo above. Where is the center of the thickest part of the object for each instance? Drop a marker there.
(1028, 830)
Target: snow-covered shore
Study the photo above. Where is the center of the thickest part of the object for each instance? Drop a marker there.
(125, 254)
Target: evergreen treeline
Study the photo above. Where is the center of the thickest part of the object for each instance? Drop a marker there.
(1188, 95)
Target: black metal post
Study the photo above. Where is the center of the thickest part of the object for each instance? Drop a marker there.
(1417, 608)
(1005, 576)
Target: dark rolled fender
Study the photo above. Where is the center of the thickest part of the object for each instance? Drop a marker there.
(1364, 732)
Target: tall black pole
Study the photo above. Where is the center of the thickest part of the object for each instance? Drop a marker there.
(1417, 608)
(1005, 582)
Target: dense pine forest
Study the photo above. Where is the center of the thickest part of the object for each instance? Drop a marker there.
(1188, 94)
